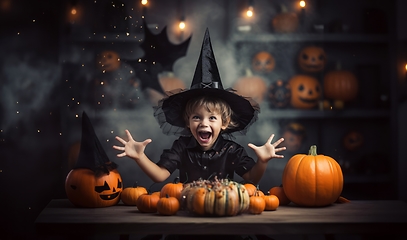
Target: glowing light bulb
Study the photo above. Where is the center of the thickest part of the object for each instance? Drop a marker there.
(73, 11)
(250, 12)
(302, 4)
(144, 2)
(406, 66)
(181, 25)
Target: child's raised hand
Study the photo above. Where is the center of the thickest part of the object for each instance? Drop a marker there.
(268, 150)
(131, 148)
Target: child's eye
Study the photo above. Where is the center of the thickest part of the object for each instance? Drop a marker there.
(212, 118)
(195, 117)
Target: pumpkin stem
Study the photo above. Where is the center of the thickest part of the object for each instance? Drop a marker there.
(313, 150)
(176, 180)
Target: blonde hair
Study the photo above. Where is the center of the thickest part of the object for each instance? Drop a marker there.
(212, 105)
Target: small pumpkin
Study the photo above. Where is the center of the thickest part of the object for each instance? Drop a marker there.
(147, 203)
(279, 94)
(251, 188)
(108, 61)
(263, 62)
(312, 180)
(167, 205)
(130, 195)
(280, 194)
(173, 189)
(285, 22)
(257, 204)
(251, 86)
(312, 59)
(272, 202)
(305, 91)
(340, 86)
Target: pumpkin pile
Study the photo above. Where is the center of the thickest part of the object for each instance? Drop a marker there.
(215, 198)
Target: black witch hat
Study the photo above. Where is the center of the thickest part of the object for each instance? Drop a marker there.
(206, 81)
(91, 154)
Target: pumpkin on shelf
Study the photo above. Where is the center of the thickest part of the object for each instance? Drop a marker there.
(108, 61)
(280, 194)
(130, 195)
(312, 59)
(305, 91)
(340, 86)
(215, 198)
(94, 181)
(353, 140)
(285, 22)
(263, 62)
(294, 135)
(251, 86)
(279, 94)
(312, 180)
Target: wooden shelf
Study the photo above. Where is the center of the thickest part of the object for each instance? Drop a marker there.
(351, 113)
(295, 37)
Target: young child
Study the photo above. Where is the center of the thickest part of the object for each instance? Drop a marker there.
(204, 114)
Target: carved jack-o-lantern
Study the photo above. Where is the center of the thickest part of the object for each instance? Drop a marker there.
(85, 188)
(353, 140)
(305, 91)
(263, 62)
(294, 135)
(108, 61)
(312, 59)
(279, 94)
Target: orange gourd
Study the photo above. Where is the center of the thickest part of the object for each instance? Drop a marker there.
(263, 62)
(172, 189)
(280, 194)
(147, 203)
(167, 206)
(312, 180)
(272, 202)
(257, 204)
(130, 195)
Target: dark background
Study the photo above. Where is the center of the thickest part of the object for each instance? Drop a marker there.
(47, 65)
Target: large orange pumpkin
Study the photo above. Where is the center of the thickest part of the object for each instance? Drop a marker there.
(85, 188)
(312, 180)
(340, 85)
(305, 91)
(251, 86)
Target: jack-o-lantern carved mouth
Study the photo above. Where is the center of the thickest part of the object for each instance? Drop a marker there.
(308, 100)
(109, 196)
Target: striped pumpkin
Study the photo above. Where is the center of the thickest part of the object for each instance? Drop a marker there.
(215, 198)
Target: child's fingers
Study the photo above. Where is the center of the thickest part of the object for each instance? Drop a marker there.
(120, 140)
(270, 138)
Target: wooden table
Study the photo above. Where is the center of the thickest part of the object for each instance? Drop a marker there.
(60, 217)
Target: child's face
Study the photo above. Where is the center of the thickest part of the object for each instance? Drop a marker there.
(205, 126)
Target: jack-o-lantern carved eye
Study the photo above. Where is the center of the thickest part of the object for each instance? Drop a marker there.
(100, 189)
(263, 62)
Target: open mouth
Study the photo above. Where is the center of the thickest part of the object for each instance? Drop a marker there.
(204, 136)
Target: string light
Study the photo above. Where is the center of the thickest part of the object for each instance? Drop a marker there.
(182, 24)
(302, 4)
(144, 2)
(250, 9)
